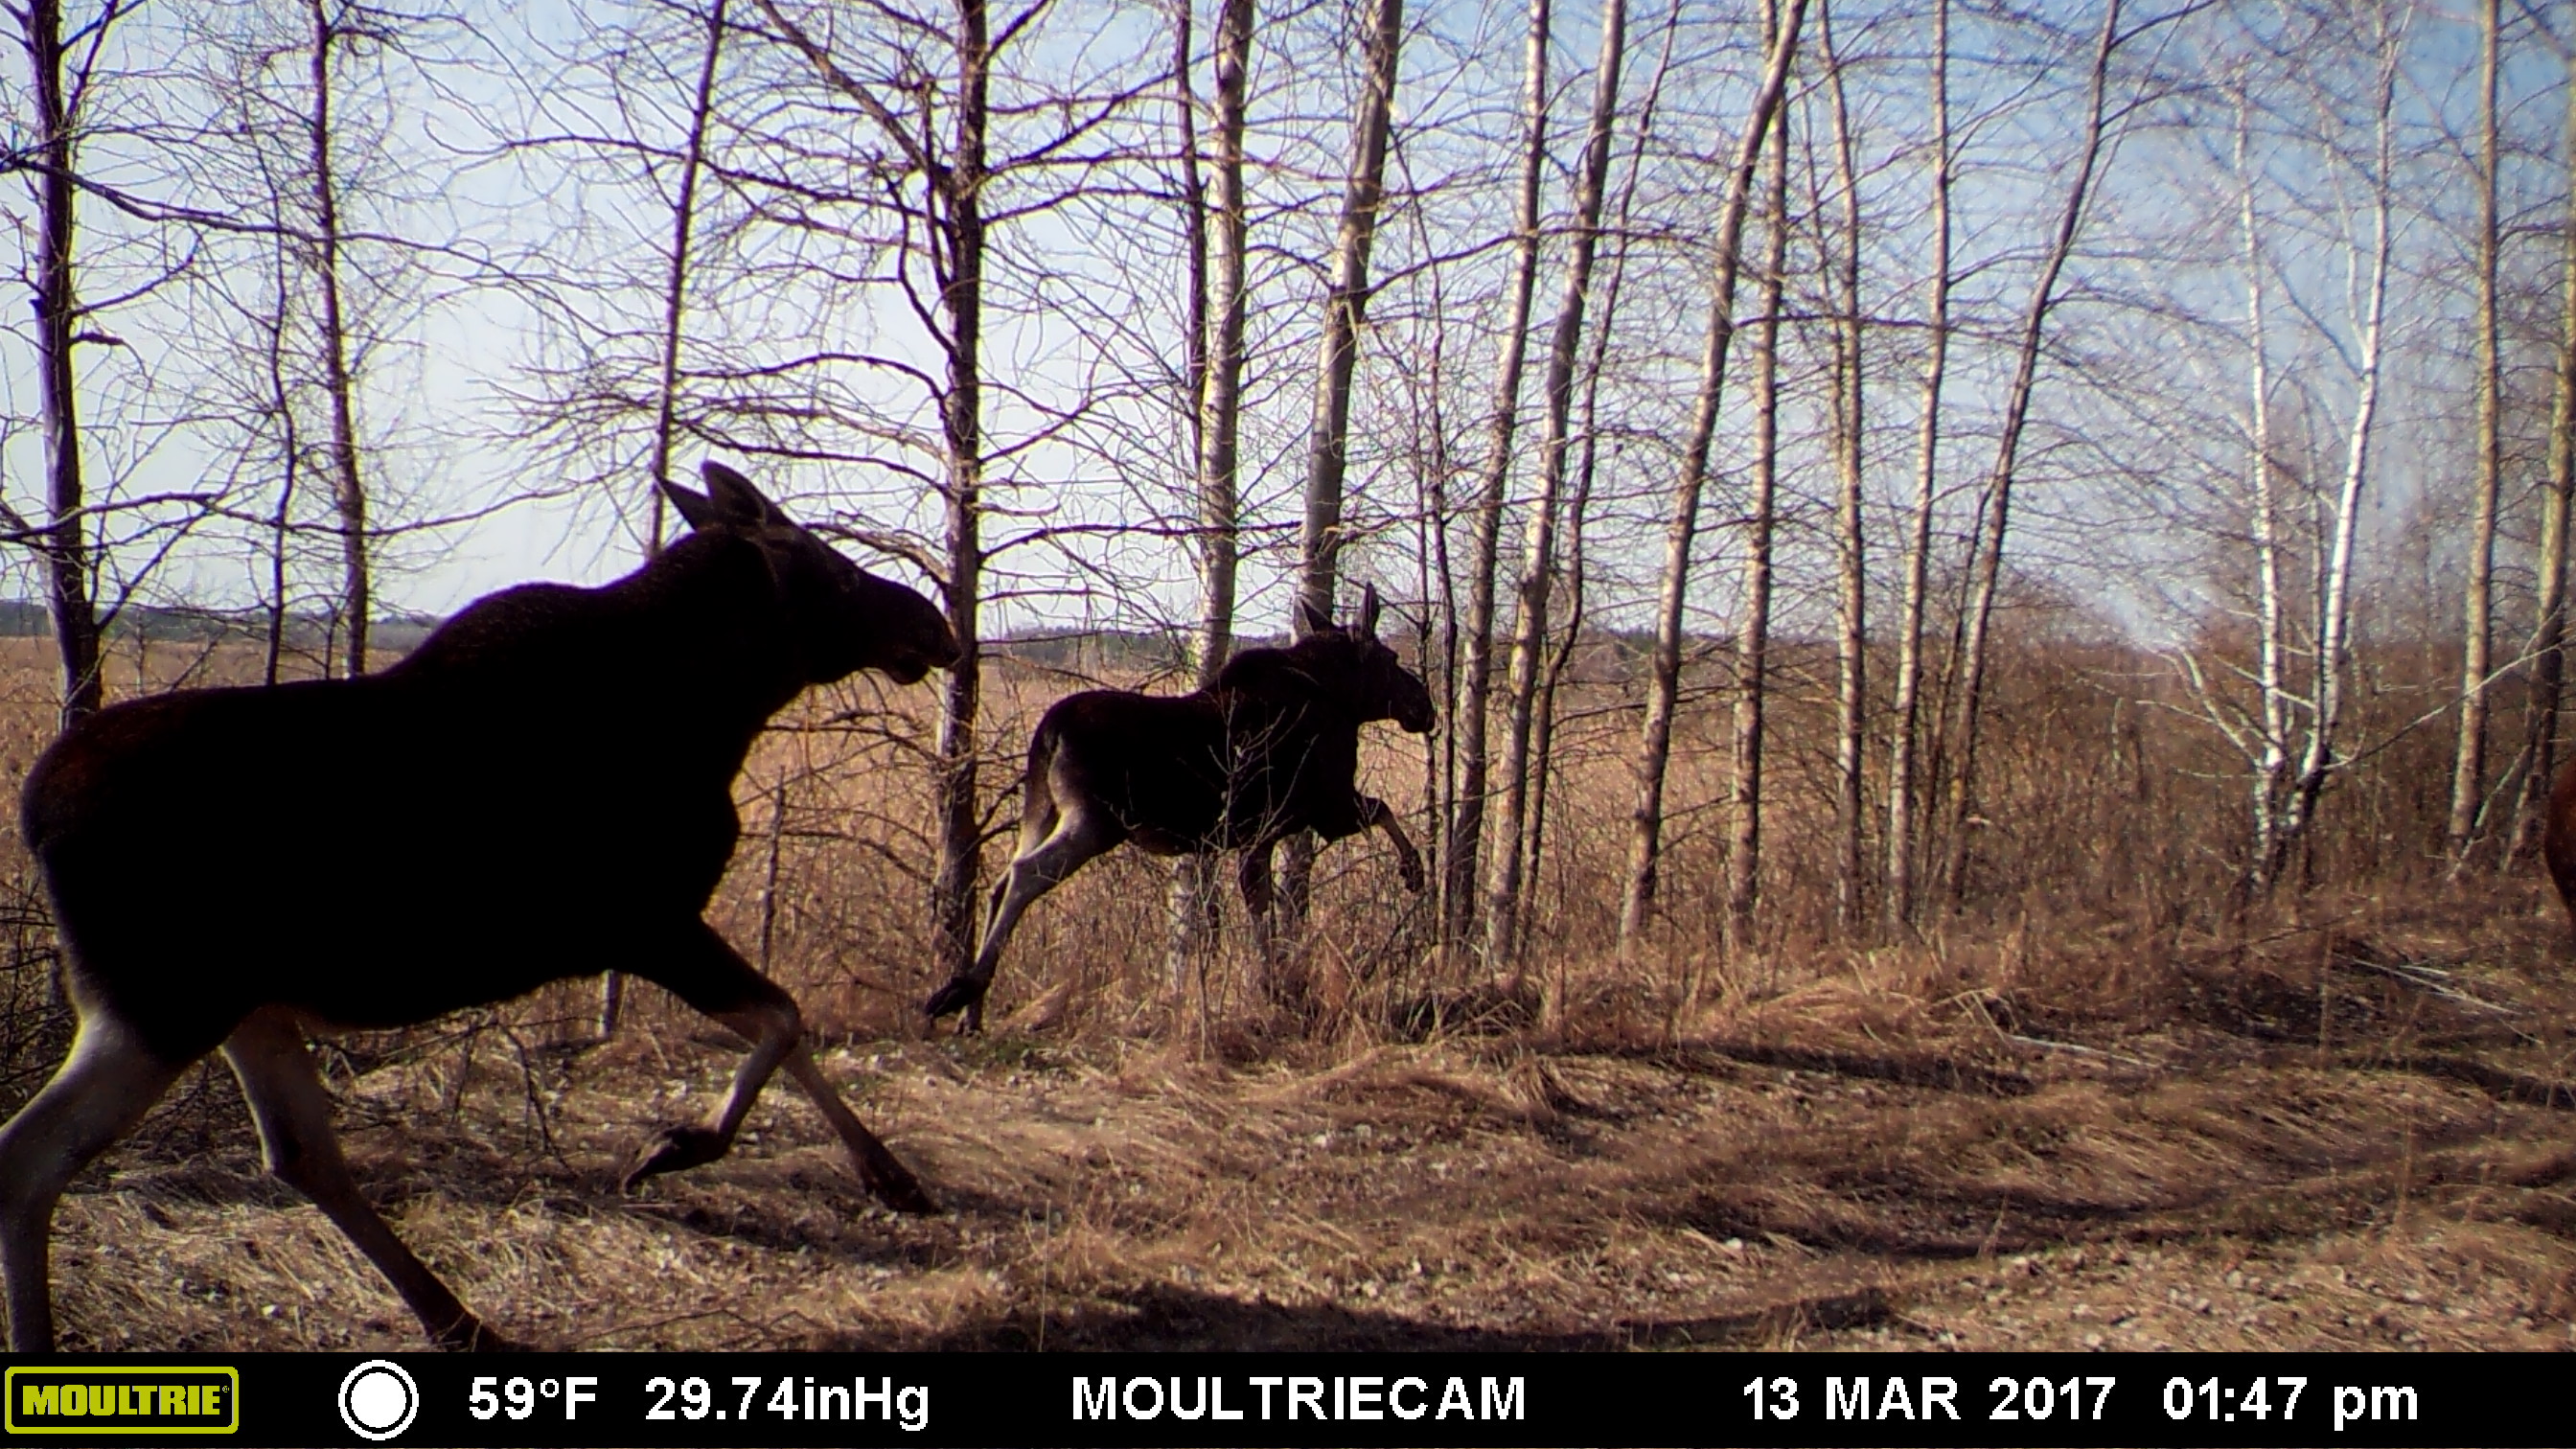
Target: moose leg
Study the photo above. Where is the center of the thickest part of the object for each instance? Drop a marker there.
(1297, 883)
(1374, 814)
(708, 974)
(102, 1089)
(1082, 833)
(880, 1171)
(269, 1059)
(1252, 878)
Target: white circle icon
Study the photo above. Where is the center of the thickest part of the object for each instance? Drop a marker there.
(378, 1400)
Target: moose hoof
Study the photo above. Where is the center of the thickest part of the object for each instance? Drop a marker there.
(1414, 880)
(675, 1148)
(954, 996)
(904, 1195)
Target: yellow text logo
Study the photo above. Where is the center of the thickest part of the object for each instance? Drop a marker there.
(74, 1400)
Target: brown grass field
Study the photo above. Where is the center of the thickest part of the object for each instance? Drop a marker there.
(2094, 1112)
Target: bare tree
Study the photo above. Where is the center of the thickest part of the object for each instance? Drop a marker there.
(60, 82)
(1988, 562)
(2271, 750)
(1471, 705)
(2320, 755)
(1221, 393)
(675, 288)
(1753, 610)
(296, 297)
(2468, 770)
(278, 400)
(1319, 541)
(1538, 555)
(1903, 788)
(1219, 303)
(1328, 435)
(333, 26)
(1579, 509)
(1849, 439)
(1664, 683)
(950, 172)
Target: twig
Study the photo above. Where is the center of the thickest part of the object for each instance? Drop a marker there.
(2068, 1046)
(2422, 978)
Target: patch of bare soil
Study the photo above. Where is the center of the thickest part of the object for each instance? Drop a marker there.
(2345, 1135)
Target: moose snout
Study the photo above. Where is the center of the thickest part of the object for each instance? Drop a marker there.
(945, 650)
(933, 645)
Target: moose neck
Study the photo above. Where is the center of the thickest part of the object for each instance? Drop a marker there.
(708, 640)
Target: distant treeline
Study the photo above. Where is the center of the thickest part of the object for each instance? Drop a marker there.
(1123, 652)
(23, 618)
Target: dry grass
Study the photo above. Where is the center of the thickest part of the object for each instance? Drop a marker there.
(1869, 1157)
(2091, 1119)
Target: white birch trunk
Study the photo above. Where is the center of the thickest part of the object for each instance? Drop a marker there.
(2477, 640)
(1902, 786)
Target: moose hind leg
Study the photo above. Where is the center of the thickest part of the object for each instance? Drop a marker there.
(269, 1059)
(1081, 834)
(880, 1171)
(102, 1089)
(709, 975)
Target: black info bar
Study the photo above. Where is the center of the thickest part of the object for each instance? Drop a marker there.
(1430, 1399)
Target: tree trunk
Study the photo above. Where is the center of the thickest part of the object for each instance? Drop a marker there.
(612, 991)
(2318, 757)
(1538, 562)
(1218, 307)
(349, 489)
(1579, 508)
(684, 213)
(1902, 787)
(2469, 759)
(1753, 613)
(2549, 632)
(1221, 398)
(1543, 727)
(952, 212)
(961, 417)
(1851, 553)
(1471, 709)
(290, 458)
(1319, 541)
(1990, 552)
(2272, 759)
(1664, 687)
(1328, 442)
(65, 544)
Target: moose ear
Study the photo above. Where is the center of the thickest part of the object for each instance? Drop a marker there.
(1311, 620)
(1368, 612)
(735, 499)
(697, 508)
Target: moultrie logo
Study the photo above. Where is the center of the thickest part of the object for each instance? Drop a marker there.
(81, 1399)
(378, 1400)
